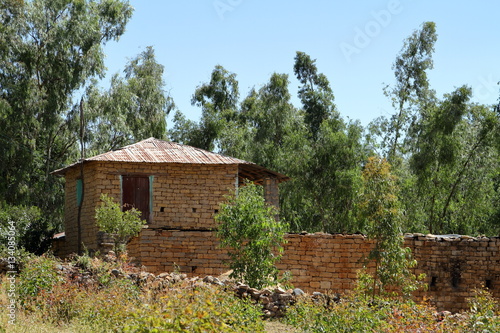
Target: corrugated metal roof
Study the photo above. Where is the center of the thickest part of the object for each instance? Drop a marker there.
(158, 151)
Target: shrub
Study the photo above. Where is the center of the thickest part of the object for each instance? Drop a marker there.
(356, 313)
(381, 210)
(121, 226)
(96, 267)
(253, 236)
(38, 274)
(483, 312)
(207, 309)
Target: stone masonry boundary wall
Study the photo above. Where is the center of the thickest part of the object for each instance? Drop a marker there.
(454, 265)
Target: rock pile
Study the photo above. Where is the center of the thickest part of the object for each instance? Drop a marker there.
(274, 301)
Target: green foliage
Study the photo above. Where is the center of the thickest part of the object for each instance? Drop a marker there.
(315, 93)
(53, 301)
(95, 267)
(248, 228)
(380, 208)
(134, 108)
(27, 227)
(353, 315)
(411, 86)
(38, 274)
(273, 119)
(120, 225)
(454, 161)
(484, 311)
(197, 310)
(41, 40)
(356, 314)
(333, 180)
(218, 100)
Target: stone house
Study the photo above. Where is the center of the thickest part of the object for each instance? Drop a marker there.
(176, 187)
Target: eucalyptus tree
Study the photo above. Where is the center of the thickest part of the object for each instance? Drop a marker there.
(315, 93)
(333, 176)
(134, 108)
(218, 100)
(455, 163)
(271, 116)
(411, 89)
(48, 51)
(382, 213)
(330, 173)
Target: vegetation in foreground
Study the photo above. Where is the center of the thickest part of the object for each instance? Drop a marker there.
(358, 313)
(85, 296)
(52, 300)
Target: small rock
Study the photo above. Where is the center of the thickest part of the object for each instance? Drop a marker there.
(176, 277)
(279, 290)
(208, 279)
(242, 286)
(253, 291)
(266, 292)
(218, 282)
(298, 292)
(264, 299)
(285, 297)
(269, 306)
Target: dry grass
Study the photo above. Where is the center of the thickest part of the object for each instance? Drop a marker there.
(273, 326)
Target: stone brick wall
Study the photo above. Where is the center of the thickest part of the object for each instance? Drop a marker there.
(90, 199)
(192, 252)
(456, 265)
(323, 262)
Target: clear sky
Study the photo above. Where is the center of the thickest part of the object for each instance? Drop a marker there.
(354, 42)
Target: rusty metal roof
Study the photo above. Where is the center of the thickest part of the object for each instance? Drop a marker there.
(158, 151)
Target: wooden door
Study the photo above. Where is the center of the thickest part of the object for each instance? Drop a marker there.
(135, 193)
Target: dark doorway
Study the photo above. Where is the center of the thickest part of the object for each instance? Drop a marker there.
(135, 194)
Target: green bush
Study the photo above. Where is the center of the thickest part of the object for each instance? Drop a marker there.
(39, 273)
(353, 315)
(121, 226)
(207, 309)
(357, 313)
(381, 210)
(253, 237)
(483, 312)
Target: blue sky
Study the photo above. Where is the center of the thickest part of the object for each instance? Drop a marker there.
(354, 42)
